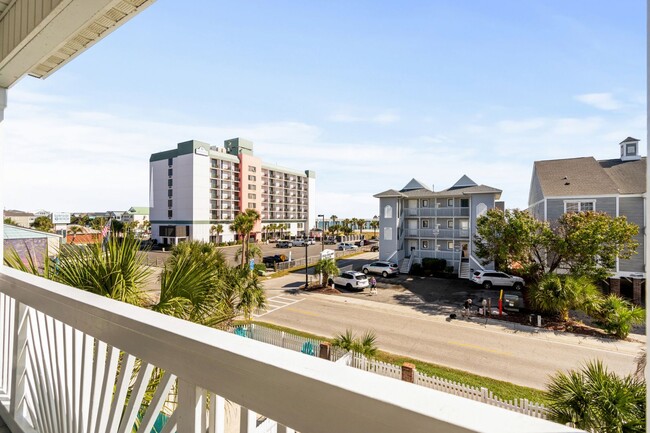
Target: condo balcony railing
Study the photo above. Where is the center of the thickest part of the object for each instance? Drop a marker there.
(72, 361)
(436, 211)
(438, 233)
(437, 254)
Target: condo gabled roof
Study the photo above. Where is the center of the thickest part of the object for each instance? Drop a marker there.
(413, 185)
(586, 176)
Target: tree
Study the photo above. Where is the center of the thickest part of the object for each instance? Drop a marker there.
(326, 268)
(74, 230)
(617, 316)
(119, 271)
(251, 252)
(594, 399)
(43, 224)
(216, 231)
(374, 225)
(243, 225)
(10, 221)
(98, 223)
(588, 243)
(334, 218)
(582, 243)
(117, 227)
(365, 345)
(557, 294)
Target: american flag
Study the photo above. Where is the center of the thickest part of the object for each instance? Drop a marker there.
(106, 228)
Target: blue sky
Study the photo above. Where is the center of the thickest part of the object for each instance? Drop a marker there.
(368, 94)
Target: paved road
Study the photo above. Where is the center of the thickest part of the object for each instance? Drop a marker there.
(522, 356)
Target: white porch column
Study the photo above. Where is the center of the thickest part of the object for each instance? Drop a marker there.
(3, 105)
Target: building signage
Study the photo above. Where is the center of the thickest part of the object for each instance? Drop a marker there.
(201, 151)
(60, 217)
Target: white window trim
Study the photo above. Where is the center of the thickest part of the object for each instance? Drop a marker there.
(450, 222)
(425, 203)
(452, 202)
(425, 245)
(580, 202)
(452, 245)
(425, 224)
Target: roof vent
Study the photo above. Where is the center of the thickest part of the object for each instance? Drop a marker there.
(630, 149)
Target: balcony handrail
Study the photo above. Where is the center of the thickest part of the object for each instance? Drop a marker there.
(302, 392)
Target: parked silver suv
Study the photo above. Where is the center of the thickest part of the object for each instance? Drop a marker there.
(383, 268)
(487, 279)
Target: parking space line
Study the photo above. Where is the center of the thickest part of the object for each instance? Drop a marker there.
(272, 305)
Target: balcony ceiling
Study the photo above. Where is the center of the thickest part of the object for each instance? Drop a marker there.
(37, 37)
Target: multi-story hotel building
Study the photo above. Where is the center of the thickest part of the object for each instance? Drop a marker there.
(196, 187)
(417, 222)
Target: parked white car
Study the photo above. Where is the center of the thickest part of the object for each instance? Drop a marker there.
(351, 280)
(347, 246)
(487, 279)
(302, 242)
(382, 268)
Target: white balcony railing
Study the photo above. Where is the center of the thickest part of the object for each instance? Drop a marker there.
(437, 211)
(72, 361)
(437, 254)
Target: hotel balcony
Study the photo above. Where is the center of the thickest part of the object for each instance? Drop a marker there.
(70, 359)
(438, 233)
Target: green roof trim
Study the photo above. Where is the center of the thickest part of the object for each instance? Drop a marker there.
(135, 210)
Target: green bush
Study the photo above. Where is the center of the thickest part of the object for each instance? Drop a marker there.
(416, 269)
(434, 265)
(260, 268)
(617, 316)
(449, 269)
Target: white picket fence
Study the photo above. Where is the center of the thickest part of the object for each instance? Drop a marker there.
(473, 393)
(308, 346)
(311, 347)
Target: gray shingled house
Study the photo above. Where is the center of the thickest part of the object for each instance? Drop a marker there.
(417, 222)
(615, 186)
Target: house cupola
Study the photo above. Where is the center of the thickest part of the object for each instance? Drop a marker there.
(630, 149)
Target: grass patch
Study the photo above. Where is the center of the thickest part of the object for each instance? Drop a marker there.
(502, 389)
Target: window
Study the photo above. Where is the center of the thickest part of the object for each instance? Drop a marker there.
(252, 196)
(579, 206)
(450, 224)
(425, 224)
(450, 245)
(631, 149)
(425, 245)
(252, 205)
(169, 214)
(252, 187)
(169, 203)
(170, 183)
(388, 233)
(252, 178)
(425, 203)
(388, 211)
(464, 202)
(170, 171)
(450, 202)
(170, 193)
(252, 169)
(170, 162)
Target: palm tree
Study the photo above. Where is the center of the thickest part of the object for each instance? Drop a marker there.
(365, 345)
(119, 271)
(334, 218)
(374, 224)
(327, 268)
(43, 224)
(617, 316)
(556, 294)
(216, 230)
(243, 225)
(242, 292)
(594, 399)
(74, 231)
(252, 251)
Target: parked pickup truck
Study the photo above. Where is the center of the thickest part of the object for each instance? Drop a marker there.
(270, 261)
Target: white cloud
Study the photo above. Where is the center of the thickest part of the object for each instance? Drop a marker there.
(603, 101)
(64, 159)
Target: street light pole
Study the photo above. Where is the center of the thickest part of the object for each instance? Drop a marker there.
(306, 258)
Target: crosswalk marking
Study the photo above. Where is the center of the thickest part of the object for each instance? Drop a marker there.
(276, 303)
